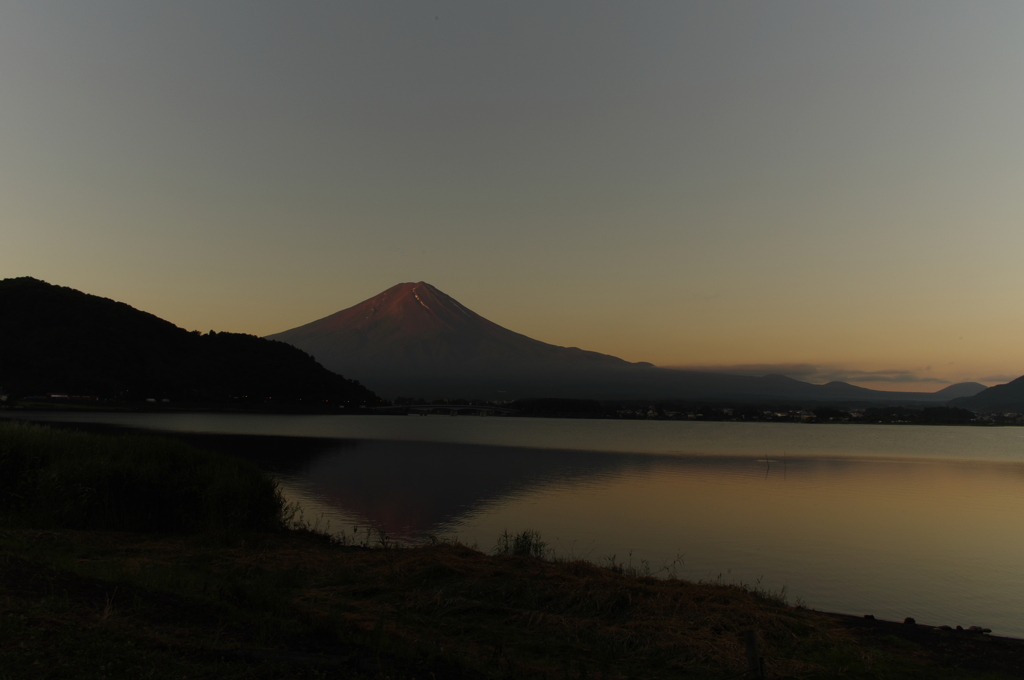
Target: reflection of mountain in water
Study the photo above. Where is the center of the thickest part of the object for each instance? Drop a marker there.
(409, 488)
(412, 488)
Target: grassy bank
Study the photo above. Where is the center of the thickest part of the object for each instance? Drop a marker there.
(55, 478)
(265, 602)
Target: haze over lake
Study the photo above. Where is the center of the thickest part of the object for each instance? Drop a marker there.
(893, 521)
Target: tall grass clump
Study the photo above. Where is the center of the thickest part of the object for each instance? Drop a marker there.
(51, 478)
(527, 543)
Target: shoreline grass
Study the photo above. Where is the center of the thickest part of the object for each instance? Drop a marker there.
(57, 478)
(294, 604)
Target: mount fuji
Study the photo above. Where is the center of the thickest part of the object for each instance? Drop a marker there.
(413, 340)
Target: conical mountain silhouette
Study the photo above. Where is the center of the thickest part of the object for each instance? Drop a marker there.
(413, 340)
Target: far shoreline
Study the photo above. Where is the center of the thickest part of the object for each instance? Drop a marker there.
(722, 414)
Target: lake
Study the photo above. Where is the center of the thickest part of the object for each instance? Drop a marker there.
(893, 521)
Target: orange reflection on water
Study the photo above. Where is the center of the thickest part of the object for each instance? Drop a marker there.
(929, 539)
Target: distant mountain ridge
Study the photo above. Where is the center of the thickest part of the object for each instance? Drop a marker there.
(962, 390)
(413, 340)
(1006, 398)
(59, 340)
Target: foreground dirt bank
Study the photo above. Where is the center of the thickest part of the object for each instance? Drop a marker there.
(292, 604)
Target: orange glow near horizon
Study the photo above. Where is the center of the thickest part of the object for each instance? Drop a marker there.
(682, 184)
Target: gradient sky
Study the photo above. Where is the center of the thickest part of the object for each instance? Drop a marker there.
(823, 189)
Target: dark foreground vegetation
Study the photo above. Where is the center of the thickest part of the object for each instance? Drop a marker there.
(61, 479)
(91, 592)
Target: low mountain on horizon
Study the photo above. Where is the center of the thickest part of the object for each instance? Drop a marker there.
(55, 339)
(412, 340)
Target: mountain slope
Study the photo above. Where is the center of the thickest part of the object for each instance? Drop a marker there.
(413, 340)
(964, 389)
(413, 333)
(1006, 398)
(59, 340)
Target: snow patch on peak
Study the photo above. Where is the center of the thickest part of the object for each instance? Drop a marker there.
(419, 300)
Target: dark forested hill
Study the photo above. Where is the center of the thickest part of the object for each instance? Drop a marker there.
(59, 340)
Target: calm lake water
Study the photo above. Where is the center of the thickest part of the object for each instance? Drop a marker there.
(893, 521)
